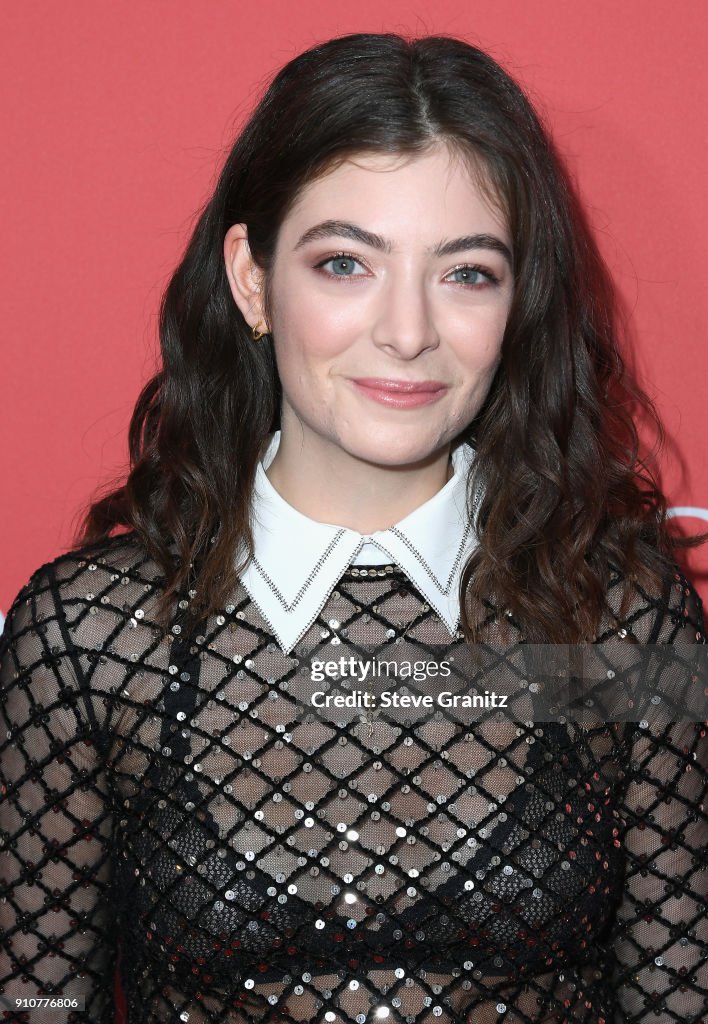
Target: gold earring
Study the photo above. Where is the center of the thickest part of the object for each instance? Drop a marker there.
(257, 332)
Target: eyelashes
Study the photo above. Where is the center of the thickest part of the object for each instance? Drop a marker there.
(484, 276)
(341, 258)
(471, 268)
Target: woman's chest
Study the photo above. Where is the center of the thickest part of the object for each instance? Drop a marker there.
(248, 824)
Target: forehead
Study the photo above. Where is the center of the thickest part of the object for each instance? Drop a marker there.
(438, 185)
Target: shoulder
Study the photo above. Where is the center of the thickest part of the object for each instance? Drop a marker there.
(116, 571)
(75, 626)
(665, 610)
(66, 573)
(85, 583)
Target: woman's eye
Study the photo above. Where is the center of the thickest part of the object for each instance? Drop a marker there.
(342, 266)
(471, 276)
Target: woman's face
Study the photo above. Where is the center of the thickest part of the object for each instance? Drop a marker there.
(390, 291)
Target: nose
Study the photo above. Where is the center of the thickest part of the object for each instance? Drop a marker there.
(405, 324)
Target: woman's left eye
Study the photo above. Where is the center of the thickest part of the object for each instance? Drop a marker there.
(471, 276)
(342, 265)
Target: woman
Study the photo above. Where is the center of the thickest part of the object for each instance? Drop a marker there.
(391, 416)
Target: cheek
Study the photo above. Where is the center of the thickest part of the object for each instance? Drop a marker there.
(305, 352)
(311, 334)
(320, 320)
(479, 350)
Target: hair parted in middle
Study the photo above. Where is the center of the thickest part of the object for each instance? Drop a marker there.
(566, 496)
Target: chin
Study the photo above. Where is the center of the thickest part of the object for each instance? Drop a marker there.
(393, 451)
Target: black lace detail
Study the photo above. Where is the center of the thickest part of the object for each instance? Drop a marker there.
(163, 807)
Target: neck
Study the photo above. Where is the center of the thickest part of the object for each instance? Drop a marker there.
(329, 485)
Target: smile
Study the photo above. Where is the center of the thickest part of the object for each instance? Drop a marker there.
(400, 394)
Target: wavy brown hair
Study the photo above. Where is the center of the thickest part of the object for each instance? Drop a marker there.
(567, 498)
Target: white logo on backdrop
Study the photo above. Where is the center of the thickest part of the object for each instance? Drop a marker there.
(689, 511)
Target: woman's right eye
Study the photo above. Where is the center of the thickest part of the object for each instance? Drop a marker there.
(342, 265)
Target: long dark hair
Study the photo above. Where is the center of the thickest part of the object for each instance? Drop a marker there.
(566, 497)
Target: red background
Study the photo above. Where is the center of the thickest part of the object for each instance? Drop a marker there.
(117, 116)
(115, 121)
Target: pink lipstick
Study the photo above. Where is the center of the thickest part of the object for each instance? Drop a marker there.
(400, 394)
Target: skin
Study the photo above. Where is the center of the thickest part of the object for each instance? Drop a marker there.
(348, 454)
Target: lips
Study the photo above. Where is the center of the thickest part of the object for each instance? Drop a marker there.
(402, 394)
(399, 386)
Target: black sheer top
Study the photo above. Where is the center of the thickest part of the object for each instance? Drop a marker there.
(170, 816)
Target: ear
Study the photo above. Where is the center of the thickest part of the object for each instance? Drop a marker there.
(245, 276)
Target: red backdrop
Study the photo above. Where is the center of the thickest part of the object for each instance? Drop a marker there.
(117, 116)
(116, 119)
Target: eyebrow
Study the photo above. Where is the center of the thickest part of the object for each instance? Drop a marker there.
(344, 229)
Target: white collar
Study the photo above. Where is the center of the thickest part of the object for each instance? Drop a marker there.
(298, 562)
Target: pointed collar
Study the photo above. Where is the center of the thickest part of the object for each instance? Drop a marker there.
(298, 562)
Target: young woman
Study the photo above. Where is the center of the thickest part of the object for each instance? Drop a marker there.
(391, 417)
